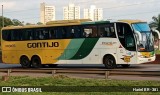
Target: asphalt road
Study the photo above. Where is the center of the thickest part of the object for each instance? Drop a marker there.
(2, 65)
(146, 67)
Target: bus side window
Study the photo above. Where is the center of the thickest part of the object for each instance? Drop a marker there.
(78, 31)
(90, 31)
(81, 28)
(24, 35)
(87, 32)
(58, 33)
(14, 35)
(38, 34)
(63, 29)
(102, 32)
(112, 29)
(29, 34)
(70, 32)
(6, 35)
(20, 32)
(107, 30)
(45, 33)
(51, 33)
(73, 32)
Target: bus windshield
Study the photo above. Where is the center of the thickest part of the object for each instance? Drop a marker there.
(146, 43)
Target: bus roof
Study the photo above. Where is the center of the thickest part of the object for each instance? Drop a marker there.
(129, 21)
(95, 22)
(50, 24)
(79, 21)
(70, 22)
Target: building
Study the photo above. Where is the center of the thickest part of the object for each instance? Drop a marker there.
(93, 13)
(47, 13)
(71, 12)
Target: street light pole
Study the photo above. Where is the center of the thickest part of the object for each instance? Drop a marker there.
(2, 17)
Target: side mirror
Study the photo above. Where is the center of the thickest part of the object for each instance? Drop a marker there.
(139, 35)
(157, 32)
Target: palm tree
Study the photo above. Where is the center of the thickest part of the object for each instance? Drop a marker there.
(156, 22)
(156, 25)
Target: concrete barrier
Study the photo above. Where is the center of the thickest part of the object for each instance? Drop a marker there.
(157, 61)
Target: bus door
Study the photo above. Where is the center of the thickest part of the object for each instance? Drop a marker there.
(127, 49)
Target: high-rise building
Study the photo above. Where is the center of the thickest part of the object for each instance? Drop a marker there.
(93, 13)
(71, 12)
(47, 13)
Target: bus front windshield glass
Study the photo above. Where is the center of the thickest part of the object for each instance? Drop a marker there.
(146, 43)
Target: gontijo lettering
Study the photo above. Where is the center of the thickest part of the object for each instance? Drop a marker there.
(42, 44)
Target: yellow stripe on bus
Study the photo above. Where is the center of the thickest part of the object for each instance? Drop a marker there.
(47, 50)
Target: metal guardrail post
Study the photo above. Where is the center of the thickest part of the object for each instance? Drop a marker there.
(8, 72)
(106, 74)
(53, 72)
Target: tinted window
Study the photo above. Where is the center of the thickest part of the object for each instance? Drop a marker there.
(16, 35)
(66, 32)
(11, 35)
(6, 35)
(90, 31)
(27, 34)
(74, 32)
(52, 33)
(41, 34)
(57, 33)
(106, 30)
(125, 35)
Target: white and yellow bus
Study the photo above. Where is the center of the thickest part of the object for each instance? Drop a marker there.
(111, 43)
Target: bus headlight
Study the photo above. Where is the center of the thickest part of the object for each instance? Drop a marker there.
(141, 56)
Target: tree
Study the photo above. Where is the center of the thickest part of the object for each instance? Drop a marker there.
(156, 22)
(30, 24)
(39, 23)
(156, 25)
(16, 22)
(7, 22)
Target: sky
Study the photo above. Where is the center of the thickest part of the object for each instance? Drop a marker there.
(29, 10)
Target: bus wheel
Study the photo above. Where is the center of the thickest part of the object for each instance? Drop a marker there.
(36, 62)
(109, 62)
(125, 65)
(25, 62)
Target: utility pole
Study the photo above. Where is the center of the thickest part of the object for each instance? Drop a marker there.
(2, 17)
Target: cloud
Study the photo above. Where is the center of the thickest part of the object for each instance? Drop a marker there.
(8, 5)
(127, 8)
(30, 9)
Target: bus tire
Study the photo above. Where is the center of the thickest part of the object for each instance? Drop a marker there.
(125, 65)
(25, 62)
(109, 62)
(36, 62)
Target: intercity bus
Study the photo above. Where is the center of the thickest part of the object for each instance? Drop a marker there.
(112, 43)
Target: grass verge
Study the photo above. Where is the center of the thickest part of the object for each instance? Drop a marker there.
(157, 51)
(66, 81)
